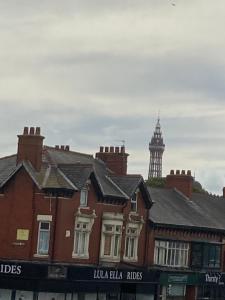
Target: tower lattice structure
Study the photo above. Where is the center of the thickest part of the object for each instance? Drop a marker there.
(156, 148)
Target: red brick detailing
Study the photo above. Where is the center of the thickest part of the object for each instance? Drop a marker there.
(22, 202)
(181, 181)
(30, 145)
(115, 159)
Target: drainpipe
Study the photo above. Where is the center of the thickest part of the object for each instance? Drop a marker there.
(54, 229)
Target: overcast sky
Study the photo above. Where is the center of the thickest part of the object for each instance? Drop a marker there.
(95, 72)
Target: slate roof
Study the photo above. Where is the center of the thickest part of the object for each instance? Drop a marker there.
(202, 211)
(127, 183)
(63, 169)
(7, 167)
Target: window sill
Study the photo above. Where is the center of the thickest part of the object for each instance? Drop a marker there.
(134, 213)
(76, 256)
(172, 267)
(110, 259)
(84, 207)
(127, 259)
(41, 255)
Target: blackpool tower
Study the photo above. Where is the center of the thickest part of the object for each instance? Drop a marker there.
(156, 148)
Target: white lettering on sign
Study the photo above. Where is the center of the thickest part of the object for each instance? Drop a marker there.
(134, 275)
(10, 269)
(117, 275)
(214, 278)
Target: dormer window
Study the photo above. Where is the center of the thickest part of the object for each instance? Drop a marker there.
(133, 200)
(84, 196)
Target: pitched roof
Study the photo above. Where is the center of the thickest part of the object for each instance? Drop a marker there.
(202, 211)
(7, 167)
(128, 183)
(63, 169)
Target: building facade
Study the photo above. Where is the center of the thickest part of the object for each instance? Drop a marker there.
(188, 234)
(72, 226)
(78, 227)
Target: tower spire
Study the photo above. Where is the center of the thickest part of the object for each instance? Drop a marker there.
(156, 148)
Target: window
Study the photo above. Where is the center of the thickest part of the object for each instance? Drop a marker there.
(83, 226)
(205, 255)
(43, 238)
(171, 253)
(81, 239)
(131, 243)
(111, 239)
(83, 196)
(134, 201)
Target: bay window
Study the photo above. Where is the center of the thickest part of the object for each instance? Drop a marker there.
(133, 230)
(83, 226)
(111, 237)
(131, 243)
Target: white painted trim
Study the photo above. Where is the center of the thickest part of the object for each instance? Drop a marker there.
(112, 216)
(47, 218)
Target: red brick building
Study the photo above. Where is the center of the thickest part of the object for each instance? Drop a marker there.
(72, 226)
(78, 227)
(187, 235)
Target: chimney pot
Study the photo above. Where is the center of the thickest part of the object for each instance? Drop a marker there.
(111, 149)
(67, 148)
(106, 149)
(177, 172)
(101, 149)
(62, 147)
(171, 172)
(122, 149)
(25, 130)
(189, 172)
(31, 130)
(38, 131)
(183, 172)
(57, 147)
(117, 149)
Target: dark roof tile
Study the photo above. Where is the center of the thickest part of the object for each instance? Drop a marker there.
(201, 211)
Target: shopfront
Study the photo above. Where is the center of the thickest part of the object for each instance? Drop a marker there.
(211, 286)
(177, 286)
(34, 281)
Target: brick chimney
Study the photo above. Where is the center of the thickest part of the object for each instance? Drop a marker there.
(30, 145)
(181, 181)
(114, 158)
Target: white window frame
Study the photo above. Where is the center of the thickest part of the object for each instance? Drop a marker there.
(171, 253)
(131, 243)
(39, 251)
(116, 236)
(136, 227)
(84, 196)
(134, 201)
(83, 227)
